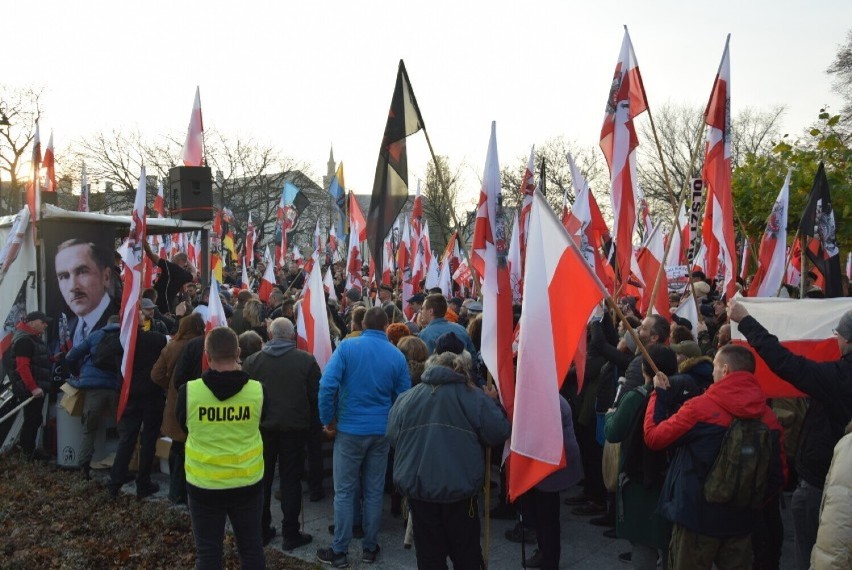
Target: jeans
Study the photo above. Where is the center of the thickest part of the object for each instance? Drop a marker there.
(98, 403)
(287, 448)
(366, 455)
(208, 528)
(805, 509)
(145, 413)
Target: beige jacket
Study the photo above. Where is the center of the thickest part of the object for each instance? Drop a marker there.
(833, 548)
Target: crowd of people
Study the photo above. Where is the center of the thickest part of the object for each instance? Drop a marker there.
(406, 400)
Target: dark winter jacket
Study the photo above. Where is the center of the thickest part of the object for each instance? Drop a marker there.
(439, 429)
(149, 345)
(81, 356)
(829, 384)
(291, 379)
(30, 351)
(695, 376)
(188, 366)
(696, 432)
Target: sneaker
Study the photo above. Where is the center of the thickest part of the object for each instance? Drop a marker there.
(268, 535)
(519, 534)
(369, 556)
(332, 558)
(533, 561)
(146, 489)
(577, 500)
(589, 509)
(626, 557)
(295, 541)
(357, 530)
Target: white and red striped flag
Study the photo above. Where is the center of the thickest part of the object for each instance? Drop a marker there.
(267, 283)
(619, 141)
(84, 191)
(445, 281)
(526, 190)
(804, 326)
(312, 319)
(516, 274)
(193, 146)
(773, 248)
(489, 259)
(132, 257)
(677, 255)
(718, 228)
(744, 259)
(244, 279)
(159, 201)
(49, 163)
(552, 324)
(215, 316)
(650, 261)
(328, 284)
(357, 235)
(388, 264)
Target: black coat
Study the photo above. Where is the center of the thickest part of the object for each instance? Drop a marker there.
(829, 384)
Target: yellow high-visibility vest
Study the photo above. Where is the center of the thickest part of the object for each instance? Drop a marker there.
(224, 449)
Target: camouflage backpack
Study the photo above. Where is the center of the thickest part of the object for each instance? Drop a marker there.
(739, 472)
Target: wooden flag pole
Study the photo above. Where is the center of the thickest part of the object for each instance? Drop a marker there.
(614, 306)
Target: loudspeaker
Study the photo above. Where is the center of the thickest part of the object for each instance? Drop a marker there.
(191, 193)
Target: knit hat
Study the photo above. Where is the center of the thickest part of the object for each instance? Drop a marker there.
(844, 327)
(449, 342)
(687, 348)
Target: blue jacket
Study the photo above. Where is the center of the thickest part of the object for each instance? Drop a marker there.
(80, 357)
(438, 430)
(441, 326)
(361, 382)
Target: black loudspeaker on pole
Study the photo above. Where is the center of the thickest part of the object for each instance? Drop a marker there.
(191, 193)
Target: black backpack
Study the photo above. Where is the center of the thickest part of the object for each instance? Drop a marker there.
(642, 465)
(739, 473)
(109, 352)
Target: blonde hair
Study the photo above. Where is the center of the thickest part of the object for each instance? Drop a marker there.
(252, 313)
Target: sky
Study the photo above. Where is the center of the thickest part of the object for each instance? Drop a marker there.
(306, 76)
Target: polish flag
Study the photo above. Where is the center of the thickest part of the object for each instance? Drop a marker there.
(132, 257)
(489, 258)
(586, 225)
(387, 265)
(433, 275)
(551, 326)
(328, 284)
(245, 278)
(193, 147)
(445, 281)
(427, 245)
(357, 235)
(33, 190)
(744, 260)
(650, 260)
(190, 251)
(267, 256)
(267, 283)
(250, 239)
(215, 316)
(403, 253)
(688, 309)
(312, 320)
(804, 326)
(516, 275)
(718, 228)
(677, 255)
(526, 190)
(462, 275)
(159, 201)
(772, 257)
(619, 141)
(49, 163)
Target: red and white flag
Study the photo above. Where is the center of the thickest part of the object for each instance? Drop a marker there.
(677, 255)
(34, 188)
(215, 311)
(49, 163)
(489, 257)
(250, 239)
(551, 326)
(357, 235)
(132, 256)
(804, 326)
(193, 147)
(718, 228)
(771, 259)
(267, 283)
(462, 275)
(387, 265)
(688, 309)
(14, 240)
(244, 280)
(312, 320)
(159, 201)
(526, 190)
(516, 275)
(619, 141)
(328, 284)
(445, 281)
(650, 260)
(586, 225)
(744, 259)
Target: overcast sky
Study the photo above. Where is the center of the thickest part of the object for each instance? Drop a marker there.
(307, 75)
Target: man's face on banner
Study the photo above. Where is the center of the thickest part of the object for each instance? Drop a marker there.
(81, 282)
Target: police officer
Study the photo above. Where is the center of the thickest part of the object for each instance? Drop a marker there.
(221, 413)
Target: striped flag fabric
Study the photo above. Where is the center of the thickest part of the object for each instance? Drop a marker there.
(773, 248)
(312, 319)
(193, 146)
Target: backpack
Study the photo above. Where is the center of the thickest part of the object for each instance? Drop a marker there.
(739, 472)
(109, 352)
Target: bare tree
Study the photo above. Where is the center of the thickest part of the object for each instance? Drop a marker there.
(20, 110)
(841, 69)
(441, 205)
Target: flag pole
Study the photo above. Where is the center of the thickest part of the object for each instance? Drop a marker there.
(787, 264)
